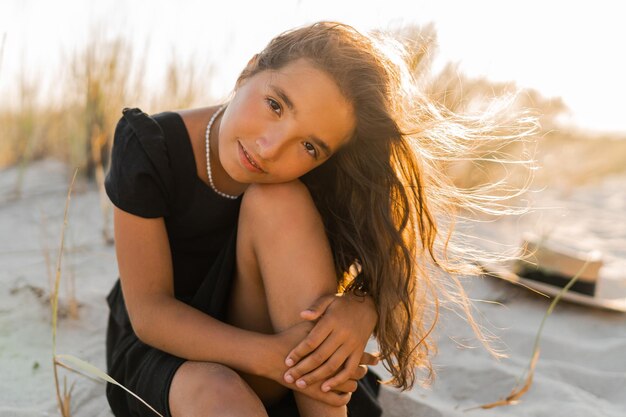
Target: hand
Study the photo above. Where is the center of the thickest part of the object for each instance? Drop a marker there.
(277, 347)
(334, 347)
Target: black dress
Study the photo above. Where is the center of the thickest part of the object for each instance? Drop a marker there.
(153, 174)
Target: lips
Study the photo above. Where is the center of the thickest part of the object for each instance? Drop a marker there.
(251, 163)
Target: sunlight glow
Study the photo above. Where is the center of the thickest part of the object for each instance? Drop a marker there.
(560, 48)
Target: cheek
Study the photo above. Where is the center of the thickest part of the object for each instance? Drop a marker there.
(233, 125)
(248, 101)
(246, 118)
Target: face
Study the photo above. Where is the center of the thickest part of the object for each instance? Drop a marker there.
(281, 124)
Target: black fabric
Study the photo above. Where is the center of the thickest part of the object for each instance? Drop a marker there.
(139, 179)
(153, 174)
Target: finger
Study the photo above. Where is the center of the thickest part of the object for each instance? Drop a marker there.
(326, 370)
(311, 362)
(348, 386)
(311, 342)
(348, 372)
(371, 359)
(318, 308)
(359, 372)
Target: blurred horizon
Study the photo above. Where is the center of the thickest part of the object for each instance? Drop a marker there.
(561, 49)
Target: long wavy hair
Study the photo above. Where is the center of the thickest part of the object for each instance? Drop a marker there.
(382, 194)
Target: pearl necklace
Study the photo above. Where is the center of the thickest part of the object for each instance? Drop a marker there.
(208, 155)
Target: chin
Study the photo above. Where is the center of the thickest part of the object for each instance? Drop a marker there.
(239, 173)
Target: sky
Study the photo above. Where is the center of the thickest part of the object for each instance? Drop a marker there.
(571, 49)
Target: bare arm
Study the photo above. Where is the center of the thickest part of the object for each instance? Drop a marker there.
(335, 347)
(162, 321)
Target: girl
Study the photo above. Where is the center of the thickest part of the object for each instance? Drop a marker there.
(236, 225)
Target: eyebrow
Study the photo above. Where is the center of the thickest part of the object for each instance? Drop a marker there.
(284, 97)
(319, 142)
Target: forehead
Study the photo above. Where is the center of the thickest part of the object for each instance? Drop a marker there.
(316, 100)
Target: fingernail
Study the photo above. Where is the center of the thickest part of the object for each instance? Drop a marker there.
(289, 378)
(301, 384)
(325, 388)
(289, 362)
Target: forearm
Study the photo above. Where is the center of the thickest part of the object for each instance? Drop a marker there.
(309, 407)
(179, 329)
(160, 320)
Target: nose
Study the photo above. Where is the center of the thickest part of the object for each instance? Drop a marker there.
(270, 146)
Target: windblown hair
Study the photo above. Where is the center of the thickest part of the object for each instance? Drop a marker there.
(381, 194)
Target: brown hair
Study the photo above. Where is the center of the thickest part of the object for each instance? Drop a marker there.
(378, 194)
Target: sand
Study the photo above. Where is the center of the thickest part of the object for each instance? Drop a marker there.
(581, 370)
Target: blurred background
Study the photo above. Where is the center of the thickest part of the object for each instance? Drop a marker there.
(68, 67)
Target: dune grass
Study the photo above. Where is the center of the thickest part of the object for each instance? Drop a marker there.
(104, 76)
(65, 397)
(525, 381)
(76, 125)
(75, 121)
(70, 362)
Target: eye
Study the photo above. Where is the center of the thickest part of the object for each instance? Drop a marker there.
(310, 148)
(274, 105)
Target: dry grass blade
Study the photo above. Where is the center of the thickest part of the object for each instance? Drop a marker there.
(77, 372)
(89, 368)
(64, 400)
(46, 254)
(67, 395)
(516, 393)
(528, 375)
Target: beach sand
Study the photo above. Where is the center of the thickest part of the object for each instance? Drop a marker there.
(581, 370)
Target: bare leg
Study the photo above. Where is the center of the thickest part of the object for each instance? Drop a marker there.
(203, 389)
(284, 264)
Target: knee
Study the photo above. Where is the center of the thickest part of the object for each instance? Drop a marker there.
(226, 383)
(290, 201)
(211, 389)
(272, 196)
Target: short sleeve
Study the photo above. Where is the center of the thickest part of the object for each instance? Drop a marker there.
(140, 180)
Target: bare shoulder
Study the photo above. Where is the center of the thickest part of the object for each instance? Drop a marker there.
(195, 119)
